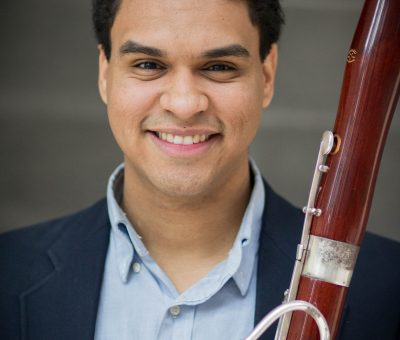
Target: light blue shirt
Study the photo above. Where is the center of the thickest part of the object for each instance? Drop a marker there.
(138, 301)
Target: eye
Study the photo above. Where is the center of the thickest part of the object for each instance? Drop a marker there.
(219, 68)
(148, 65)
(147, 69)
(221, 72)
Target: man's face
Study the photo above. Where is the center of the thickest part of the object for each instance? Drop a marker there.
(184, 90)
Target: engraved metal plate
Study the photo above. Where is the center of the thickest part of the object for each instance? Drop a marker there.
(330, 261)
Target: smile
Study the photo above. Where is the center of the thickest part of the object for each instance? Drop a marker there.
(182, 140)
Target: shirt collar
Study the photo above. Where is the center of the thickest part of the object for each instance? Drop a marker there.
(246, 243)
(123, 234)
(240, 264)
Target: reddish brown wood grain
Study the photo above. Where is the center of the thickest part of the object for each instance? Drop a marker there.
(312, 290)
(370, 91)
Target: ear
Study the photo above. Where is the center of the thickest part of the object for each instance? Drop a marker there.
(269, 69)
(102, 80)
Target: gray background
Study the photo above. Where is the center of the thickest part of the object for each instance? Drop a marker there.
(57, 151)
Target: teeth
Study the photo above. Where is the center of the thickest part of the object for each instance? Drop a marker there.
(182, 140)
(187, 140)
(178, 140)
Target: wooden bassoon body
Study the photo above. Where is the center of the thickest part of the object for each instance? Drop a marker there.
(345, 176)
(369, 95)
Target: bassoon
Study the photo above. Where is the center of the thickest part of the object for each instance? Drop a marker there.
(344, 179)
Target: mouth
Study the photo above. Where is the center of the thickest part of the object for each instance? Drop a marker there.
(183, 140)
(184, 143)
(186, 139)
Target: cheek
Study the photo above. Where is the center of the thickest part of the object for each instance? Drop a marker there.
(240, 108)
(128, 105)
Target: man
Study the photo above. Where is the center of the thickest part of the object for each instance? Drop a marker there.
(190, 243)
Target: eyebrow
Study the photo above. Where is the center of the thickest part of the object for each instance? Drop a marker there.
(134, 47)
(234, 50)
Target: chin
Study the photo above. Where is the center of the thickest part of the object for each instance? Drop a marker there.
(182, 181)
(189, 186)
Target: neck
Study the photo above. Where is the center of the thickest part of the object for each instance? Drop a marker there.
(192, 234)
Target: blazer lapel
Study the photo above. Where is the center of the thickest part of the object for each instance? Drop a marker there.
(67, 295)
(279, 236)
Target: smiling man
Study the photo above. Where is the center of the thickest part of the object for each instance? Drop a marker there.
(190, 242)
(184, 105)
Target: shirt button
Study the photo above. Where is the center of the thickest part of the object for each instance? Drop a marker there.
(136, 267)
(175, 311)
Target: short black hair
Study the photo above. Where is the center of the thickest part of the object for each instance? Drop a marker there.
(266, 15)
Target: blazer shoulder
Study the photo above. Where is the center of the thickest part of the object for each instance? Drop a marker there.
(40, 235)
(21, 248)
(379, 245)
(374, 295)
(378, 258)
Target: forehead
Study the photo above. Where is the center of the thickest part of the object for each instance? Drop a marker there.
(184, 25)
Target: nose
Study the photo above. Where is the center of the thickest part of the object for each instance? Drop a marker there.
(182, 97)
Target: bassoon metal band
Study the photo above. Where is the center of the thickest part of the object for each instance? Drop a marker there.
(330, 261)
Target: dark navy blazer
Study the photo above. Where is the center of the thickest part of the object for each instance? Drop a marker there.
(51, 274)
